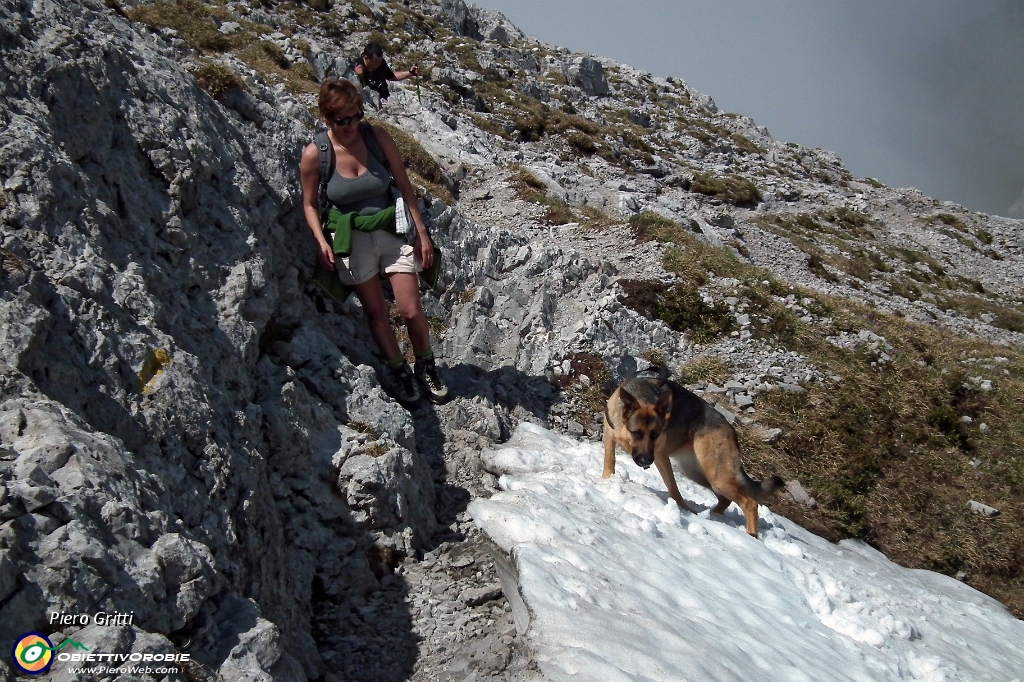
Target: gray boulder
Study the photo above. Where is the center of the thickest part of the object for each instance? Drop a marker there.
(461, 18)
(587, 74)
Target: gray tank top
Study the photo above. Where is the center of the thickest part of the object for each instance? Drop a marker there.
(365, 194)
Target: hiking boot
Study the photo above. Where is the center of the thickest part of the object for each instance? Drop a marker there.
(403, 384)
(426, 372)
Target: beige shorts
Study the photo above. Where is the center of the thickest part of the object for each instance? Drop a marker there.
(374, 253)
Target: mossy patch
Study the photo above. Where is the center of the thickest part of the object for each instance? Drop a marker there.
(690, 257)
(581, 142)
(716, 135)
(846, 231)
(1006, 315)
(464, 52)
(519, 117)
(654, 356)
(591, 217)
(976, 239)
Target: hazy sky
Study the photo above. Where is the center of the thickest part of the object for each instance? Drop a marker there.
(926, 94)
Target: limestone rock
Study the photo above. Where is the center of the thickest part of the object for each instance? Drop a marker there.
(588, 74)
(799, 495)
(982, 509)
(461, 18)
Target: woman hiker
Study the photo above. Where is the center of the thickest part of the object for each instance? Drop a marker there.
(364, 242)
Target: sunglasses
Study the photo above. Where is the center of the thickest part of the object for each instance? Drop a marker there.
(342, 122)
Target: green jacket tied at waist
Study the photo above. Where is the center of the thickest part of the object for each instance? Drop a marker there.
(340, 225)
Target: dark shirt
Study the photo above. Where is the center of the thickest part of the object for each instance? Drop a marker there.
(377, 79)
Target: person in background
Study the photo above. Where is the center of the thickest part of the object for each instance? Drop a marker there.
(374, 73)
(359, 240)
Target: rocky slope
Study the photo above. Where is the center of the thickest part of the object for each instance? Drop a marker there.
(191, 433)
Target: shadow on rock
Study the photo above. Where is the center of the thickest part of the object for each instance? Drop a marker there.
(482, 410)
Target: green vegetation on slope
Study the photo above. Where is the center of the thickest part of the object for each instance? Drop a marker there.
(894, 450)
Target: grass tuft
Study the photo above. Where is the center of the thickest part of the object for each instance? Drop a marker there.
(704, 370)
(649, 226)
(268, 60)
(654, 356)
(217, 78)
(680, 306)
(732, 189)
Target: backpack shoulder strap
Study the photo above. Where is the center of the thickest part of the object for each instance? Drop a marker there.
(326, 152)
(372, 144)
(323, 146)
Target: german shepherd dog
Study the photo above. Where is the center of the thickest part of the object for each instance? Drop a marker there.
(657, 421)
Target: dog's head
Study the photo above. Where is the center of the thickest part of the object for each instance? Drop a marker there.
(645, 423)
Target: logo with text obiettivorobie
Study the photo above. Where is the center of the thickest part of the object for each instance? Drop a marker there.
(33, 652)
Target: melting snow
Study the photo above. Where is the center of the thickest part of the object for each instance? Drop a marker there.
(622, 585)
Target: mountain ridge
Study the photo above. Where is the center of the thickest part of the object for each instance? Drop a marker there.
(263, 490)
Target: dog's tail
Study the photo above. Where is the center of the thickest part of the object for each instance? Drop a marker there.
(762, 490)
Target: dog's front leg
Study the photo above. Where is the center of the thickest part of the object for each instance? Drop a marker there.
(609, 451)
(664, 465)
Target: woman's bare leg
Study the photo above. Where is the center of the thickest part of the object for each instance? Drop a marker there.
(371, 296)
(406, 286)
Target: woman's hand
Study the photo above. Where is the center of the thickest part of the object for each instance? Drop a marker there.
(325, 256)
(424, 249)
(309, 171)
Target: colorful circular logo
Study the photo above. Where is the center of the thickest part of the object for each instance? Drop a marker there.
(33, 653)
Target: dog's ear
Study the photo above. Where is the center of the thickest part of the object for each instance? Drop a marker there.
(629, 403)
(664, 406)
